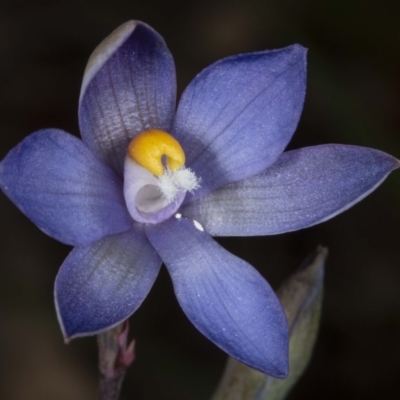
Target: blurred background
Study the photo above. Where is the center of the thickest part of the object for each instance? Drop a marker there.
(353, 97)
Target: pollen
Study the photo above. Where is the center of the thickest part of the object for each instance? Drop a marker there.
(173, 182)
(153, 147)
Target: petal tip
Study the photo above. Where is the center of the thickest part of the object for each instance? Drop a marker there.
(275, 361)
(298, 48)
(283, 372)
(298, 54)
(281, 365)
(66, 337)
(105, 49)
(279, 369)
(301, 52)
(296, 51)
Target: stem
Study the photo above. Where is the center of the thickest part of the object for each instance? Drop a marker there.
(114, 359)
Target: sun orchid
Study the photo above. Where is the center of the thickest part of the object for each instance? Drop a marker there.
(149, 183)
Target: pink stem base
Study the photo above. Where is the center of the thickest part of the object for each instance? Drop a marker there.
(115, 356)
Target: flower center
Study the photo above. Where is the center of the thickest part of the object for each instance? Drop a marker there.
(148, 148)
(156, 179)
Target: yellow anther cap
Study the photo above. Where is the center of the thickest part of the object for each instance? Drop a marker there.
(148, 148)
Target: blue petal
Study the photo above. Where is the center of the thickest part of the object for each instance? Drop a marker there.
(224, 297)
(101, 285)
(303, 188)
(63, 188)
(129, 86)
(237, 116)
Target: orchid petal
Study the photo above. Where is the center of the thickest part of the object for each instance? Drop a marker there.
(129, 86)
(303, 188)
(58, 183)
(237, 116)
(223, 296)
(101, 285)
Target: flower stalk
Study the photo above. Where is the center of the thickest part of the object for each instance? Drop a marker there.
(115, 356)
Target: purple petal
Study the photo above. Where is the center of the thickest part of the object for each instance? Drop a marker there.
(303, 188)
(56, 181)
(224, 297)
(238, 115)
(100, 285)
(129, 86)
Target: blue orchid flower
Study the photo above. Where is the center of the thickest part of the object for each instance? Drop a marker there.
(148, 184)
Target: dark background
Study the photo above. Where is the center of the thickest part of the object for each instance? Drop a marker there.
(353, 97)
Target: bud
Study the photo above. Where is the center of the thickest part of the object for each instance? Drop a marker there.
(301, 298)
